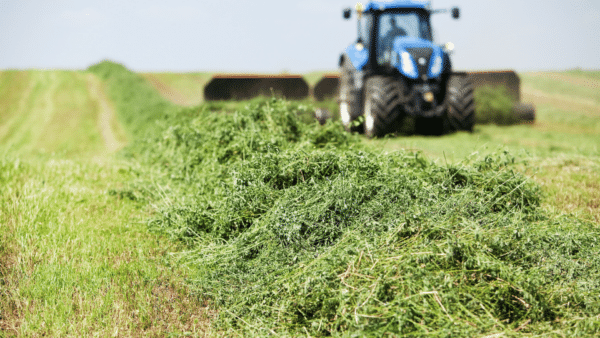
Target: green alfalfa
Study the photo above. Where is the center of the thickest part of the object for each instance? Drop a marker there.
(310, 213)
(298, 228)
(494, 105)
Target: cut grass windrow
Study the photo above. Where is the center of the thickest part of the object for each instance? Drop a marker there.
(295, 229)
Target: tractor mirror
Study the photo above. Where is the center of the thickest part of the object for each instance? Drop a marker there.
(455, 13)
(347, 13)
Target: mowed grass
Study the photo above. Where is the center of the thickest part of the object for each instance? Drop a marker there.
(76, 258)
(51, 112)
(561, 150)
(575, 84)
(297, 231)
(561, 147)
(184, 89)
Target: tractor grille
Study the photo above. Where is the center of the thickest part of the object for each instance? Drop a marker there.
(421, 53)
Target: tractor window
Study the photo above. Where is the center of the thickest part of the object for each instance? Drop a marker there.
(395, 24)
(364, 33)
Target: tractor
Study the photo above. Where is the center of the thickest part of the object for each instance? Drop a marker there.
(394, 70)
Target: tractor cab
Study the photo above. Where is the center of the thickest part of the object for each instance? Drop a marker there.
(397, 35)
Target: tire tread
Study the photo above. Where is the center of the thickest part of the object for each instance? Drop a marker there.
(460, 103)
(386, 96)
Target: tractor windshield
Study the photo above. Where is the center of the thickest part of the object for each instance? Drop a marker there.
(394, 24)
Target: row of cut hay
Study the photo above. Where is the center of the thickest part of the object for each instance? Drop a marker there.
(297, 229)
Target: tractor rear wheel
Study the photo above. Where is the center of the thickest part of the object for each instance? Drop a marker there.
(350, 98)
(460, 105)
(383, 99)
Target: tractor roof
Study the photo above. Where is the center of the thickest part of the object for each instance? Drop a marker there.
(383, 5)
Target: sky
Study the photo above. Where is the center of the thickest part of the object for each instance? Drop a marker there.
(295, 36)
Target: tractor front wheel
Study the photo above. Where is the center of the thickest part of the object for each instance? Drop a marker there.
(382, 110)
(460, 105)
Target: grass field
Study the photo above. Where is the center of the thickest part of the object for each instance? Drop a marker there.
(247, 234)
(56, 112)
(182, 89)
(76, 258)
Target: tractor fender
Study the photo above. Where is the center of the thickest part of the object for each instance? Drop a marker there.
(358, 75)
(358, 55)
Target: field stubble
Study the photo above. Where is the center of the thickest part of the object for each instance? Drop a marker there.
(76, 258)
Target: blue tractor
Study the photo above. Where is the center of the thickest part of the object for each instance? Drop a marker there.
(395, 70)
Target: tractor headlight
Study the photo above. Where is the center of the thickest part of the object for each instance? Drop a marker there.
(408, 65)
(449, 47)
(436, 66)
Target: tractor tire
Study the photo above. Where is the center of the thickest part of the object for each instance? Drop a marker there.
(460, 105)
(383, 99)
(350, 97)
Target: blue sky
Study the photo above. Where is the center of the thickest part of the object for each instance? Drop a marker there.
(282, 35)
